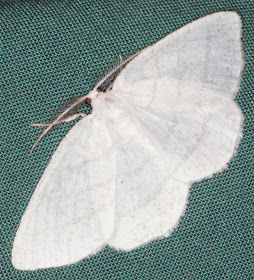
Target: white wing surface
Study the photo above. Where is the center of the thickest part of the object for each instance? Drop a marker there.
(148, 200)
(182, 89)
(121, 175)
(71, 212)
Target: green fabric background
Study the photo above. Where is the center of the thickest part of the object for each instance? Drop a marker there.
(53, 51)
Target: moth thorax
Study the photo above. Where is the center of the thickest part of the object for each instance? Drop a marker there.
(107, 107)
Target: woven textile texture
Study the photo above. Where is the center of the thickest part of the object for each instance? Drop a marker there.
(53, 51)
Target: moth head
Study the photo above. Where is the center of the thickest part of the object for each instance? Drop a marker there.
(88, 101)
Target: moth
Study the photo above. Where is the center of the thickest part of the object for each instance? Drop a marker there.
(122, 174)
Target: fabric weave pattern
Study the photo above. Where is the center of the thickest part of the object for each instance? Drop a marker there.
(54, 51)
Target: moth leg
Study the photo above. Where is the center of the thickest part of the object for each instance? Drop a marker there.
(66, 120)
(50, 125)
(79, 100)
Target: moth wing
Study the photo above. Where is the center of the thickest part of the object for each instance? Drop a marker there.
(71, 212)
(148, 200)
(182, 89)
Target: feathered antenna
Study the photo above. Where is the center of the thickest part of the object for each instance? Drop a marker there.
(78, 101)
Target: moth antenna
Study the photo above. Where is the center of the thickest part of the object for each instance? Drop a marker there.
(121, 64)
(119, 68)
(82, 98)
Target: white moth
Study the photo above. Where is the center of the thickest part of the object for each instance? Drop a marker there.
(121, 176)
